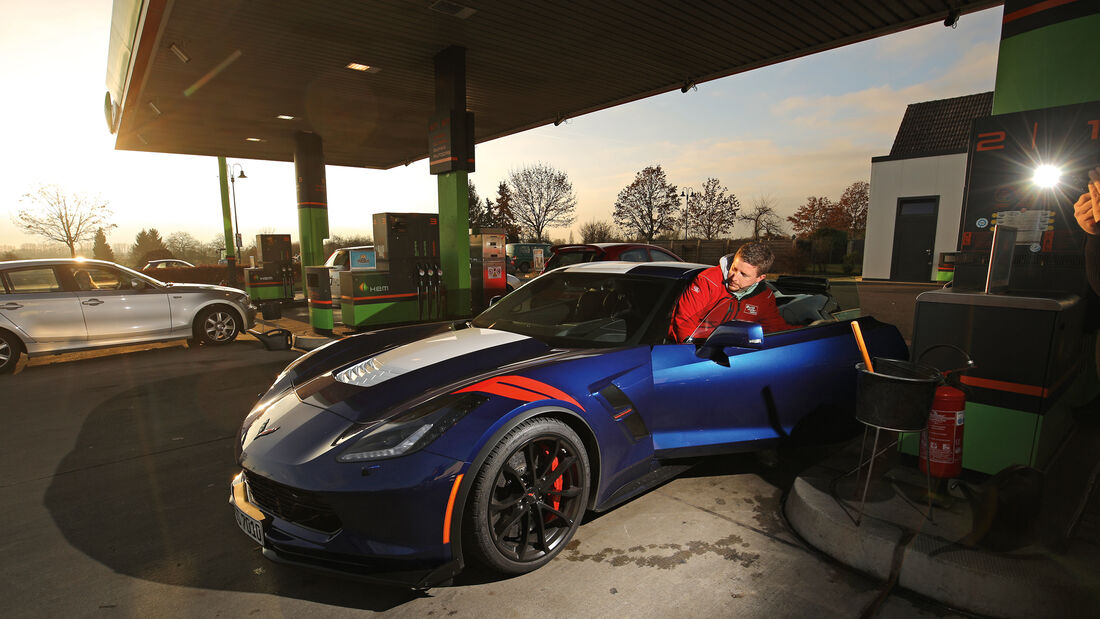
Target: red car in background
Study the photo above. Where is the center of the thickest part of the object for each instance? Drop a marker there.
(563, 255)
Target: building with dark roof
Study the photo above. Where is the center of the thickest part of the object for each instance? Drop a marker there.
(917, 190)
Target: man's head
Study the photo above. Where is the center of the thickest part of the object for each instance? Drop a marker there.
(750, 265)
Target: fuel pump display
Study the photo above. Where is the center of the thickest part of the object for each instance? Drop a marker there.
(487, 267)
(1026, 333)
(1024, 171)
(273, 279)
(406, 284)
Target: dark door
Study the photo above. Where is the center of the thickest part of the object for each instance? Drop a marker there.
(914, 238)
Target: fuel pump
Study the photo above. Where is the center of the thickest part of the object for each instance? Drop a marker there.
(440, 290)
(421, 290)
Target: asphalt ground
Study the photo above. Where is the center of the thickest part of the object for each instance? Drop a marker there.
(114, 475)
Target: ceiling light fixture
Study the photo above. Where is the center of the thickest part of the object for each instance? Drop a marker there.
(451, 8)
(153, 106)
(285, 117)
(253, 139)
(355, 66)
(184, 58)
(952, 19)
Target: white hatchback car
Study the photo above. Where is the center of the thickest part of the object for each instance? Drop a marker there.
(66, 304)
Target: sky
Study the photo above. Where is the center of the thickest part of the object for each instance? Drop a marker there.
(806, 127)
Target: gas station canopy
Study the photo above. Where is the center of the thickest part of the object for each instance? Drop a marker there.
(239, 78)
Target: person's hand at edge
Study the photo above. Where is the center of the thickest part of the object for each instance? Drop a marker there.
(1087, 207)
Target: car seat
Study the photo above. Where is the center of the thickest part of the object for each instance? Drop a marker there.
(589, 306)
(83, 280)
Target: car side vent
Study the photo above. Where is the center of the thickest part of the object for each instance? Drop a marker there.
(623, 411)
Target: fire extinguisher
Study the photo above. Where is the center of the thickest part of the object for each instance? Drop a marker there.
(941, 446)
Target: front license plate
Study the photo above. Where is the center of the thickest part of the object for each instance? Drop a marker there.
(250, 526)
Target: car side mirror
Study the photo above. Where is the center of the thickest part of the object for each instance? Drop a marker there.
(737, 333)
(138, 284)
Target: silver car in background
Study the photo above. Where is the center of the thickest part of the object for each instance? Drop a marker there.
(66, 304)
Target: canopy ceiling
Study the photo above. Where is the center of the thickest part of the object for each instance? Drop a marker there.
(207, 75)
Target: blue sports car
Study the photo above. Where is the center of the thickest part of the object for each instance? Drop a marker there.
(401, 454)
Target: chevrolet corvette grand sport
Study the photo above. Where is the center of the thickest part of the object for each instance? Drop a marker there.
(401, 454)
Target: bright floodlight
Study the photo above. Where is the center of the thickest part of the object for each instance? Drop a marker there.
(1047, 176)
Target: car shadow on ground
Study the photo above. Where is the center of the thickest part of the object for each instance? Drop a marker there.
(144, 491)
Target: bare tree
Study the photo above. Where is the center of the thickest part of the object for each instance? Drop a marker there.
(647, 206)
(541, 197)
(61, 217)
(712, 211)
(596, 231)
(186, 247)
(764, 220)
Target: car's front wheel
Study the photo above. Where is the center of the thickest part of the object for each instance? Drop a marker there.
(9, 352)
(217, 325)
(529, 496)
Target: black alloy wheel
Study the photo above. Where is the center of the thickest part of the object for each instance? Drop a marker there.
(529, 496)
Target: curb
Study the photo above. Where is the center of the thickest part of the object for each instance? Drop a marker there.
(1038, 584)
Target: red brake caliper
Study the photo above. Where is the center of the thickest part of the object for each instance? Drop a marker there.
(558, 484)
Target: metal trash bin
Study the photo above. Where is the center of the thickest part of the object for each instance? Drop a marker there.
(897, 396)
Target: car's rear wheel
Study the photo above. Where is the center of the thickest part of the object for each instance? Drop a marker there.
(529, 497)
(9, 352)
(217, 325)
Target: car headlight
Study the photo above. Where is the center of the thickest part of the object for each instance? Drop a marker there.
(413, 429)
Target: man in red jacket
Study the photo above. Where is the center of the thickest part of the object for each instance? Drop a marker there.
(733, 290)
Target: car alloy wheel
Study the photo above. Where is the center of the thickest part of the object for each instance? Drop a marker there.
(9, 354)
(217, 326)
(530, 496)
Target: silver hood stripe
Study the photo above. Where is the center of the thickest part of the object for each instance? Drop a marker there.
(428, 351)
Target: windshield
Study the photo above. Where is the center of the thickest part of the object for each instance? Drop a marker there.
(567, 258)
(581, 309)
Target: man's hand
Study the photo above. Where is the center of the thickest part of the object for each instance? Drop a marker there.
(1087, 207)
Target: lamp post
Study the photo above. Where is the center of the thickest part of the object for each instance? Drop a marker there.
(233, 185)
(686, 194)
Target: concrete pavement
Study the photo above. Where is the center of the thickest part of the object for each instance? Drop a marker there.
(114, 478)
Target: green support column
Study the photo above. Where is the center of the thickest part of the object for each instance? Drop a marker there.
(309, 169)
(454, 240)
(451, 159)
(227, 224)
(1048, 55)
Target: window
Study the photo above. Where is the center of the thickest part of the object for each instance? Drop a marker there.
(659, 255)
(637, 254)
(570, 257)
(89, 277)
(41, 279)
